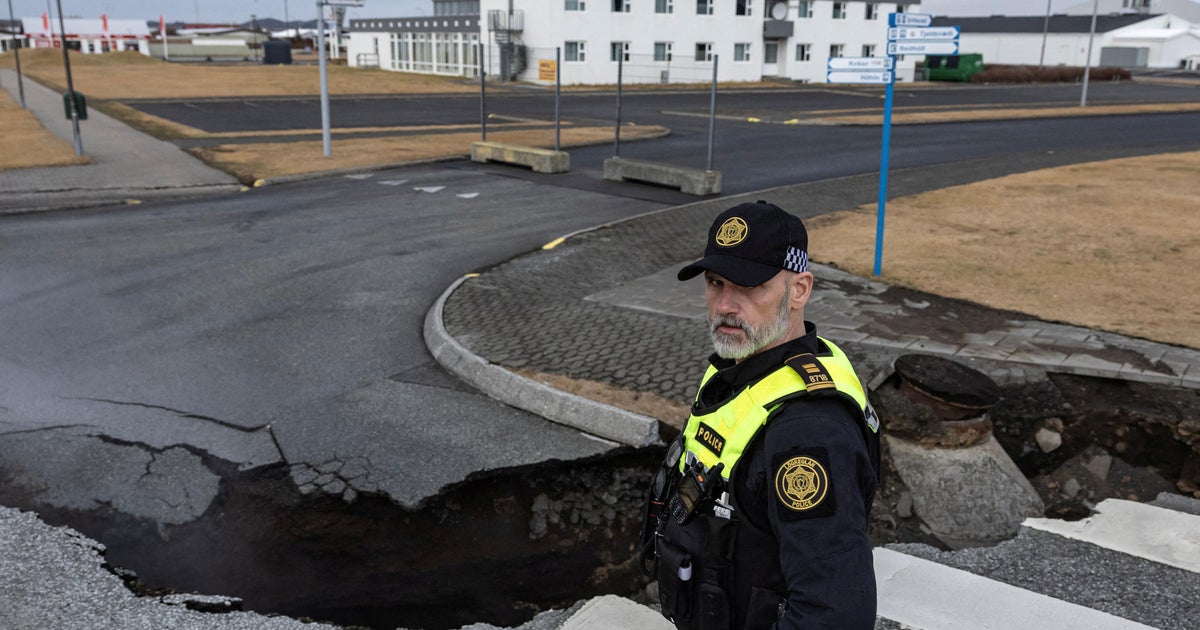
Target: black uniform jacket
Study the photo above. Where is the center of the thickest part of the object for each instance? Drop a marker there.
(819, 559)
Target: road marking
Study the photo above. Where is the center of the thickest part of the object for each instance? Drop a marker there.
(192, 105)
(429, 189)
(932, 596)
(555, 243)
(467, 195)
(252, 104)
(361, 176)
(394, 182)
(1164, 536)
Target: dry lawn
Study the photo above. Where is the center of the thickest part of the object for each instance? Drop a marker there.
(133, 75)
(25, 143)
(1111, 245)
(251, 162)
(960, 114)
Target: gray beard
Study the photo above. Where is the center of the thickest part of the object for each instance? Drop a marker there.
(730, 347)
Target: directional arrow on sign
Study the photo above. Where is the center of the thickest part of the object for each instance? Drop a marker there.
(922, 48)
(941, 33)
(858, 77)
(860, 63)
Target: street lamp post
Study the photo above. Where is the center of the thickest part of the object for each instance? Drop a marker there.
(16, 54)
(1045, 32)
(1087, 66)
(62, 29)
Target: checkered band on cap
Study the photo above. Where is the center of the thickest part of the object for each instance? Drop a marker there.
(796, 260)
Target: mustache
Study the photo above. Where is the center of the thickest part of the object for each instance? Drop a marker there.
(730, 321)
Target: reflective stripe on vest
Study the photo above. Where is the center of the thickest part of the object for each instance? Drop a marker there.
(723, 434)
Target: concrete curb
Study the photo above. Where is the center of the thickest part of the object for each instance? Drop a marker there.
(589, 416)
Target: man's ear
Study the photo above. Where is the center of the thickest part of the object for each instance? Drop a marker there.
(802, 284)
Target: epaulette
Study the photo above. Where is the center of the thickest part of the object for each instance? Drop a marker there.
(811, 371)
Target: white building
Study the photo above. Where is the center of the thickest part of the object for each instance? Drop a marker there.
(1128, 40)
(87, 35)
(446, 43)
(654, 40)
(1186, 9)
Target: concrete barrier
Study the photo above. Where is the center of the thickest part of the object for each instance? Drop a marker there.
(540, 160)
(689, 180)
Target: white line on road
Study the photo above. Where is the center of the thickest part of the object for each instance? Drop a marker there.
(1166, 536)
(393, 182)
(932, 596)
(467, 195)
(429, 189)
(361, 176)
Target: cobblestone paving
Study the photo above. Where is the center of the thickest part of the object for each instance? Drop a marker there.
(605, 306)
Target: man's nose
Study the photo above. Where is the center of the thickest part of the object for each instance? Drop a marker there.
(725, 302)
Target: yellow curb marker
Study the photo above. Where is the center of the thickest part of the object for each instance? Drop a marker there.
(555, 243)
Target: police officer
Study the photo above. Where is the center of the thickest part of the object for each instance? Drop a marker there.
(758, 517)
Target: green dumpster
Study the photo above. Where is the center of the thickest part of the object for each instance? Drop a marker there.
(953, 67)
(80, 104)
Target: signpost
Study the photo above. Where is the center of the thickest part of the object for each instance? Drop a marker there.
(326, 140)
(909, 34)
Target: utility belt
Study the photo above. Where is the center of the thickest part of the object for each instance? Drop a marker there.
(687, 542)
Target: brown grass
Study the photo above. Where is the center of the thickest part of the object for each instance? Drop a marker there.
(25, 143)
(900, 117)
(1110, 245)
(126, 75)
(672, 413)
(250, 162)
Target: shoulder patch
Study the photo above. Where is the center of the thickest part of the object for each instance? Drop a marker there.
(815, 376)
(802, 484)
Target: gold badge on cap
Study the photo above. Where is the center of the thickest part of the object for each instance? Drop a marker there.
(732, 232)
(801, 483)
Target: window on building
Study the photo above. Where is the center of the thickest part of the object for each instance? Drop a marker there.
(575, 5)
(839, 10)
(804, 9)
(575, 51)
(872, 11)
(662, 51)
(618, 51)
(620, 6)
(744, 7)
(836, 50)
(703, 51)
(771, 52)
(741, 52)
(868, 50)
(664, 6)
(803, 52)
(704, 7)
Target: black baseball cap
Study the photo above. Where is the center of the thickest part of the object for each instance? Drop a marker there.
(749, 243)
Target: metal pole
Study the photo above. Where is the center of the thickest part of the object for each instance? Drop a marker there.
(712, 117)
(326, 141)
(287, 22)
(557, 97)
(1087, 66)
(62, 29)
(16, 54)
(482, 94)
(883, 170)
(617, 133)
(1045, 31)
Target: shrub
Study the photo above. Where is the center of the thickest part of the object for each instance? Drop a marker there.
(1000, 73)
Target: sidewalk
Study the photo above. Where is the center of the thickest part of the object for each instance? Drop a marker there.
(127, 164)
(604, 305)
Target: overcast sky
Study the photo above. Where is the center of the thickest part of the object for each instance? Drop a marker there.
(240, 10)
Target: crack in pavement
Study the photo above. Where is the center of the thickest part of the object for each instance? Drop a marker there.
(183, 414)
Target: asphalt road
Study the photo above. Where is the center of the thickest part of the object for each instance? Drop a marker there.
(283, 324)
(248, 114)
